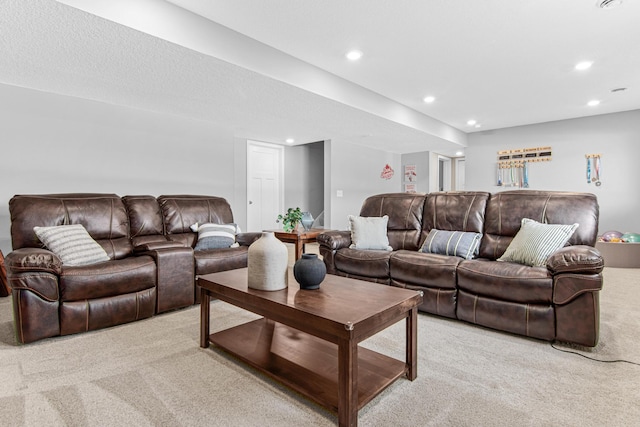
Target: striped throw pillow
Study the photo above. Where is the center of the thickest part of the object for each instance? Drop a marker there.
(72, 244)
(463, 244)
(216, 236)
(535, 242)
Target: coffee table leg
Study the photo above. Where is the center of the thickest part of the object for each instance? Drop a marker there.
(348, 384)
(412, 344)
(205, 306)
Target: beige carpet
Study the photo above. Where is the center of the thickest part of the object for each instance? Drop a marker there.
(153, 373)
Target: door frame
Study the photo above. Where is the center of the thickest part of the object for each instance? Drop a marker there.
(444, 163)
(460, 170)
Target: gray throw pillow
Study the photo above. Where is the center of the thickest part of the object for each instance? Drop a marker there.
(462, 244)
(215, 236)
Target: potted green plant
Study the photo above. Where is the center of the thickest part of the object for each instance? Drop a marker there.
(290, 219)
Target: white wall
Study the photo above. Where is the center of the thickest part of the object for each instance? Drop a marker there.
(355, 170)
(615, 136)
(57, 144)
(54, 144)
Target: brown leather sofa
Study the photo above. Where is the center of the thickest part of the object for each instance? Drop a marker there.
(152, 266)
(556, 302)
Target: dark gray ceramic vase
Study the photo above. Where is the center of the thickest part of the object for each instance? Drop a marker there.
(309, 271)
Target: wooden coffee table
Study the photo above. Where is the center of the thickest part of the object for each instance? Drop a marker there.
(308, 339)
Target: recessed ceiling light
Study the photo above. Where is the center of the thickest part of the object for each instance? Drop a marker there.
(429, 99)
(478, 125)
(593, 103)
(354, 55)
(289, 141)
(584, 65)
(471, 122)
(459, 153)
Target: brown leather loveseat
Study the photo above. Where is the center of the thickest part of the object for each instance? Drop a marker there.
(558, 301)
(151, 266)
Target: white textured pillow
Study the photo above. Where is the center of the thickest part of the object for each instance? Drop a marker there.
(72, 244)
(535, 242)
(369, 232)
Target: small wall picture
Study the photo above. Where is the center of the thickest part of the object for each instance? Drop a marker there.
(410, 188)
(410, 174)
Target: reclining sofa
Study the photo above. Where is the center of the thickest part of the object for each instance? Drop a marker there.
(151, 266)
(558, 301)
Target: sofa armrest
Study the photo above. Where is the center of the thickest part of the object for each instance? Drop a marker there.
(329, 242)
(334, 239)
(576, 259)
(175, 275)
(246, 239)
(32, 260)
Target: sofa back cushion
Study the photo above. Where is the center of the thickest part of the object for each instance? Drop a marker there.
(405, 213)
(145, 219)
(454, 211)
(505, 211)
(103, 216)
(180, 212)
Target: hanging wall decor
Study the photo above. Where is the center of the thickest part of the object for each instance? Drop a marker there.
(410, 173)
(513, 165)
(387, 172)
(594, 169)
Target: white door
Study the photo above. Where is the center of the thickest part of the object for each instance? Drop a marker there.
(264, 185)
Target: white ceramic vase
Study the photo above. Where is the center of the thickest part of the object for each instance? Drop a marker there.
(268, 259)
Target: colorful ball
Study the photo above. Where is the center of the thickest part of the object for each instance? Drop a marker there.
(630, 237)
(611, 234)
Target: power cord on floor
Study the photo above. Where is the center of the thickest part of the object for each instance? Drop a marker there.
(594, 359)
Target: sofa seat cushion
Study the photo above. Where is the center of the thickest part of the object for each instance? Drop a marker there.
(506, 281)
(365, 263)
(107, 279)
(216, 260)
(424, 269)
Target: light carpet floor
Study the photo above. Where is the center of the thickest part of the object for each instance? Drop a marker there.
(153, 373)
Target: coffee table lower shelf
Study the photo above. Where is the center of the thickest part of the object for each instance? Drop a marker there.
(307, 364)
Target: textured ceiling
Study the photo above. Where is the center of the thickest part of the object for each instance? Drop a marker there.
(505, 63)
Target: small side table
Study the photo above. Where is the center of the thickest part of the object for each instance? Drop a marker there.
(298, 238)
